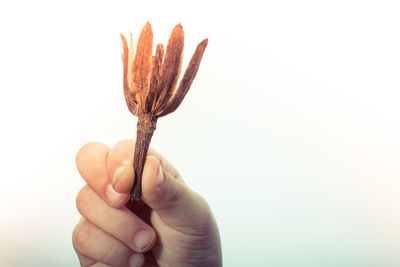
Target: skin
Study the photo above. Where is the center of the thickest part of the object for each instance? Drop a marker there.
(178, 222)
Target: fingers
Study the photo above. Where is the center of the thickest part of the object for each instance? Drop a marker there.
(171, 199)
(119, 223)
(91, 161)
(97, 248)
(120, 165)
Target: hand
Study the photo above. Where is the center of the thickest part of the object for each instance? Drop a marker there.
(170, 226)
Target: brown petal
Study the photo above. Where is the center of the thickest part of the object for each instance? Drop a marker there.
(171, 67)
(155, 77)
(130, 66)
(142, 65)
(187, 79)
(129, 95)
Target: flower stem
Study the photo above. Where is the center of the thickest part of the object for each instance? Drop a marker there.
(145, 128)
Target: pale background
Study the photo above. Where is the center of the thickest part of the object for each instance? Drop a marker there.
(290, 130)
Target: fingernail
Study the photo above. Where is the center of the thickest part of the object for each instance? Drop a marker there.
(117, 174)
(136, 260)
(113, 195)
(160, 178)
(143, 239)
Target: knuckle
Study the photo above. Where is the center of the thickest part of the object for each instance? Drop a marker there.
(178, 193)
(81, 236)
(174, 194)
(82, 156)
(84, 148)
(83, 198)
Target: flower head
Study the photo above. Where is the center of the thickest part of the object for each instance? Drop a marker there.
(150, 86)
(150, 82)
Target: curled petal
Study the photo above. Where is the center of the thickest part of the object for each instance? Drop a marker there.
(186, 81)
(124, 55)
(129, 95)
(171, 67)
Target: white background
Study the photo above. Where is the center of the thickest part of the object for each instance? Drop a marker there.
(290, 130)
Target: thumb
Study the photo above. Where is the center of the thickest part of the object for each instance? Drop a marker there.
(171, 199)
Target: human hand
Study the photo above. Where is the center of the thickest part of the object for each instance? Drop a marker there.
(170, 226)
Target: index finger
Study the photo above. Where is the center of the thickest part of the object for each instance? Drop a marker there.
(91, 161)
(120, 165)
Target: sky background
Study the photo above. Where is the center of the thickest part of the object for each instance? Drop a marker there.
(290, 130)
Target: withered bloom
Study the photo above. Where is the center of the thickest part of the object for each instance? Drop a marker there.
(150, 87)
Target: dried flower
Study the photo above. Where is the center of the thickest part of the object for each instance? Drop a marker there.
(150, 86)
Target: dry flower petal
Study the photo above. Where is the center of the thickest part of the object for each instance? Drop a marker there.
(130, 67)
(171, 67)
(187, 79)
(129, 95)
(155, 77)
(142, 65)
